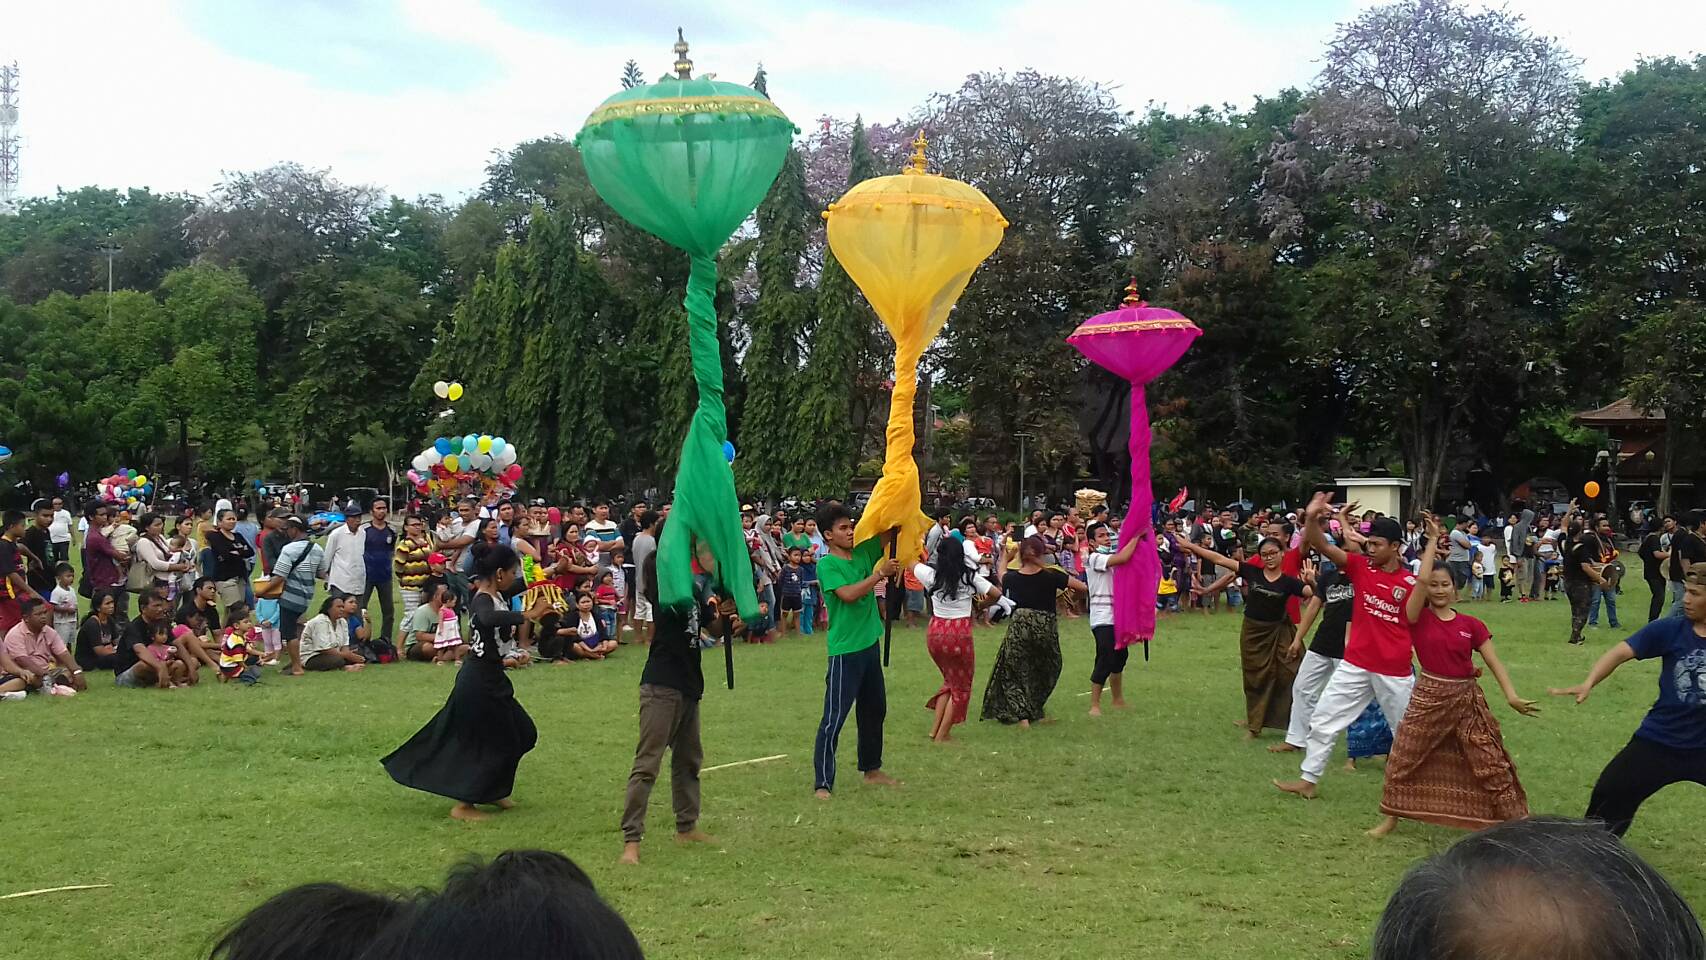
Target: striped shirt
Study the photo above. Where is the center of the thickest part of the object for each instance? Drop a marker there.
(297, 563)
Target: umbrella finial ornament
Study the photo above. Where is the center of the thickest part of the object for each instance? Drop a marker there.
(916, 164)
(1131, 297)
(683, 66)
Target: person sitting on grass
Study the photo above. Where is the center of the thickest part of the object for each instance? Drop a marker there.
(590, 642)
(239, 646)
(1541, 888)
(420, 627)
(325, 637)
(99, 637)
(33, 657)
(139, 661)
(168, 657)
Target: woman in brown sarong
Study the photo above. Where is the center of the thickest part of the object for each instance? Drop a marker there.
(1448, 764)
(1264, 641)
(1027, 666)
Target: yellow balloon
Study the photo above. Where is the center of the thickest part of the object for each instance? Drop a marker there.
(1591, 488)
(455, 391)
(911, 242)
(452, 463)
(140, 481)
(485, 444)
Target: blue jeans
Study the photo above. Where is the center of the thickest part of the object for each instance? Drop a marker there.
(1610, 606)
(1676, 591)
(606, 618)
(808, 610)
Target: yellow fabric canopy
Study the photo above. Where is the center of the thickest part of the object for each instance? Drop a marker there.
(911, 242)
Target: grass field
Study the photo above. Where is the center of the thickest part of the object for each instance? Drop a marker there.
(1148, 833)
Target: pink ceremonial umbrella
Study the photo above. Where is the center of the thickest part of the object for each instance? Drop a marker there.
(1138, 343)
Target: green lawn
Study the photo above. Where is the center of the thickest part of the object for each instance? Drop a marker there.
(1150, 833)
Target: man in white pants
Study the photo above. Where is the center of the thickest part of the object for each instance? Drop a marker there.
(1377, 652)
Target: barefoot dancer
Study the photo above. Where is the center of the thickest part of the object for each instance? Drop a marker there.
(1377, 652)
(855, 676)
(1331, 607)
(469, 750)
(1448, 764)
(671, 686)
(1670, 744)
(1099, 575)
(952, 583)
(1027, 666)
(1265, 639)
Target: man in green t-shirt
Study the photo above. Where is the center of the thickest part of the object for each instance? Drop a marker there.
(855, 678)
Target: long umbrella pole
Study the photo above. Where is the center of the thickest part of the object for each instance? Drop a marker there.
(728, 650)
(893, 599)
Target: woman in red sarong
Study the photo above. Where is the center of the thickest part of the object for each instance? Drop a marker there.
(1448, 764)
(952, 583)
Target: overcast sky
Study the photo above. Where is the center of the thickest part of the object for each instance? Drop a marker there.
(413, 95)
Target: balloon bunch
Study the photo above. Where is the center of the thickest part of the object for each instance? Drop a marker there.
(451, 390)
(478, 465)
(5, 453)
(125, 486)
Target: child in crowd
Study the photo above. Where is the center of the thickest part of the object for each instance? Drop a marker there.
(64, 601)
(788, 590)
(165, 656)
(266, 623)
(447, 643)
(619, 581)
(1507, 578)
(237, 657)
(605, 599)
(1488, 553)
(590, 643)
(810, 595)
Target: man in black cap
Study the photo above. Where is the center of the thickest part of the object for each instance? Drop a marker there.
(1376, 665)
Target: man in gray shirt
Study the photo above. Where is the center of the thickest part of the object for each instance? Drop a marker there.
(1462, 548)
(645, 544)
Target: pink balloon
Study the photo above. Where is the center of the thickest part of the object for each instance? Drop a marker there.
(554, 515)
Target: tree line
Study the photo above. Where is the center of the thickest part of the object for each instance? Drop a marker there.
(1426, 262)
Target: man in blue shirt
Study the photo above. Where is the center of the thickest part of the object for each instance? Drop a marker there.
(379, 546)
(1670, 745)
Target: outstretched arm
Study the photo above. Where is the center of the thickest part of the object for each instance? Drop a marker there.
(1126, 551)
(1314, 536)
(1490, 657)
(1218, 559)
(1604, 667)
(1419, 595)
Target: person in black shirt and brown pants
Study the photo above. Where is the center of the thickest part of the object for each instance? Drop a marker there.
(1654, 553)
(671, 686)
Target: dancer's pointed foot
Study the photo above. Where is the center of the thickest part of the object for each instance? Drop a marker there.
(695, 835)
(1282, 747)
(467, 811)
(1383, 828)
(877, 778)
(630, 854)
(505, 804)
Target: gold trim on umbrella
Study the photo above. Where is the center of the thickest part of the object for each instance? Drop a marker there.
(1126, 326)
(678, 106)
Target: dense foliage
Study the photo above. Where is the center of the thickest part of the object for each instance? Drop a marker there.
(1423, 262)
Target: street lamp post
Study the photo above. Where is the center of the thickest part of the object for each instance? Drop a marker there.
(1022, 437)
(1614, 448)
(111, 250)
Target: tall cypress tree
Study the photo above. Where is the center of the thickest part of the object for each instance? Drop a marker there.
(838, 344)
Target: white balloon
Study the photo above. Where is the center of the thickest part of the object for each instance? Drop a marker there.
(420, 463)
(480, 461)
(505, 459)
(433, 457)
(441, 389)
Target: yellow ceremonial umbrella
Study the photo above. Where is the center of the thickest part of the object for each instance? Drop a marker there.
(910, 241)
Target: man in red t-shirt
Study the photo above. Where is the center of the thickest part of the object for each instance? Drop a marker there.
(1377, 650)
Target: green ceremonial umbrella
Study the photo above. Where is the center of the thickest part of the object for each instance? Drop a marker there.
(689, 160)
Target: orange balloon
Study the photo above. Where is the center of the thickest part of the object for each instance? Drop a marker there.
(1591, 488)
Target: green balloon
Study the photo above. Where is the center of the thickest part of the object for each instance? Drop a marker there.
(688, 161)
(455, 444)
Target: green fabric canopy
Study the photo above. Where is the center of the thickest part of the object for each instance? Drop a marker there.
(689, 160)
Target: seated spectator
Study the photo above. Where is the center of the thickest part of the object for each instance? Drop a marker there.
(1537, 888)
(325, 637)
(99, 637)
(420, 627)
(239, 647)
(33, 657)
(141, 661)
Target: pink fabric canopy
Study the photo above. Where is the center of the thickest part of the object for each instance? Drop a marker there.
(1137, 342)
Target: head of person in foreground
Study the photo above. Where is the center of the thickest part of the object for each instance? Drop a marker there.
(1542, 888)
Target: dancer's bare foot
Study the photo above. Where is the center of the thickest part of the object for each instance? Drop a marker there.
(1024, 724)
(1095, 711)
(821, 794)
(467, 811)
(630, 854)
(1302, 788)
(1250, 735)
(877, 778)
(1383, 828)
(1282, 747)
(1120, 704)
(505, 804)
(1350, 765)
(692, 836)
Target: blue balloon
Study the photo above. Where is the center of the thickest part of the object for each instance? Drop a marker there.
(471, 443)
(498, 444)
(5, 452)
(729, 451)
(442, 445)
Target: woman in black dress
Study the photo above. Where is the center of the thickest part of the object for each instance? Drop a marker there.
(1264, 641)
(1028, 664)
(469, 750)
